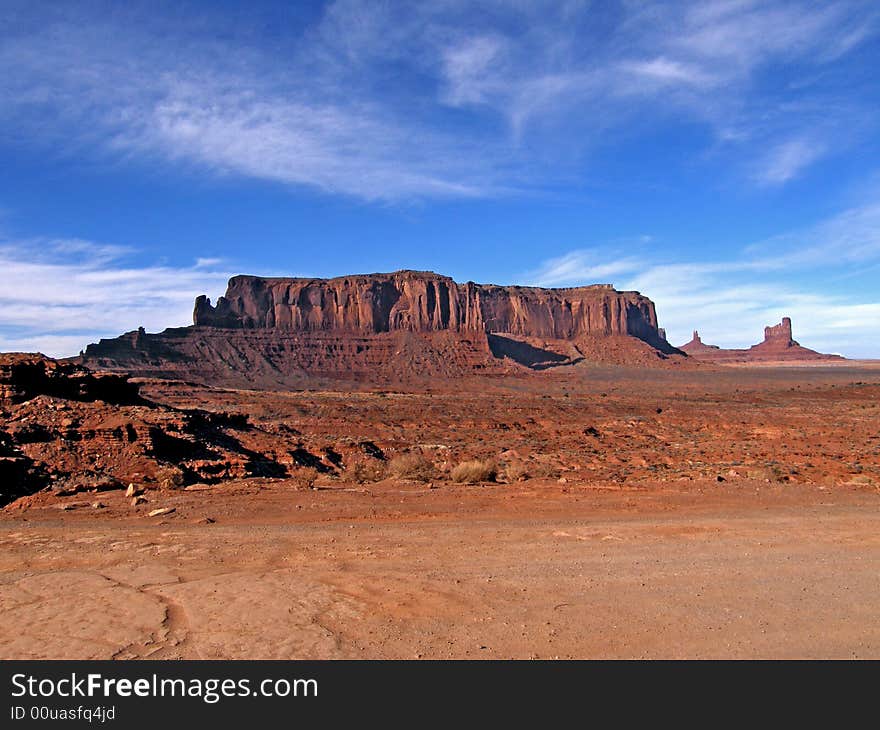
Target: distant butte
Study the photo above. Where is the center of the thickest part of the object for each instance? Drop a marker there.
(778, 346)
(386, 327)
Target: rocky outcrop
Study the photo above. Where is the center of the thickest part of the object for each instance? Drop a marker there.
(778, 345)
(65, 429)
(697, 347)
(26, 375)
(416, 301)
(779, 334)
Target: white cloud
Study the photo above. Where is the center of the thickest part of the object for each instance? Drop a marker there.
(468, 68)
(357, 102)
(666, 71)
(580, 266)
(731, 301)
(340, 151)
(850, 237)
(788, 160)
(735, 316)
(58, 296)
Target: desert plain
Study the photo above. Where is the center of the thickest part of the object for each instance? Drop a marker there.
(627, 512)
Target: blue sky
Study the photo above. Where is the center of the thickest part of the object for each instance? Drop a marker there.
(722, 156)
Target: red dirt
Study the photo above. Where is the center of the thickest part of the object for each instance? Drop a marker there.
(656, 513)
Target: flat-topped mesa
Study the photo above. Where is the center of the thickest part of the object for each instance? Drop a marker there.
(425, 302)
(390, 328)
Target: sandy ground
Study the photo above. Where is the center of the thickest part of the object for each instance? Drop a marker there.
(622, 561)
(466, 572)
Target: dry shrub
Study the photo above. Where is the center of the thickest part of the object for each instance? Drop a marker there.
(363, 472)
(304, 478)
(545, 471)
(473, 472)
(517, 472)
(170, 478)
(861, 479)
(412, 466)
(770, 473)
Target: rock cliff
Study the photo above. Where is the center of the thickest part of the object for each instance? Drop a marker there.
(389, 327)
(426, 302)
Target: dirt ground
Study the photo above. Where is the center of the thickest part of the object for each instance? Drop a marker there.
(724, 513)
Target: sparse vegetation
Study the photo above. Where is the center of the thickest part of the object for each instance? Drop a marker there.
(371, 471)
(170, 478)
(474, 472)
(861, 479)
(769, 473)
(305, 477)
(412, 466)
(517, 472)
(545, 471)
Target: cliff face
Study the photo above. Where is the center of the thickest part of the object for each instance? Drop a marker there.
(426, 302)
(389, 328)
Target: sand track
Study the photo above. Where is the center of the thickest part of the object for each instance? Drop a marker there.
(768, 572)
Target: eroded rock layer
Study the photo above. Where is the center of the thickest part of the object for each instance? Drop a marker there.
(25, 375)
(389, 327)
(426, 302)
(57, 434)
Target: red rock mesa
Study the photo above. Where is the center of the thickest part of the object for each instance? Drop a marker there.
(386, 326)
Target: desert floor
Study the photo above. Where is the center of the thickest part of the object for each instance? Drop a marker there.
(718, 513)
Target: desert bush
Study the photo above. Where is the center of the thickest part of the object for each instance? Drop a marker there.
(472, 472)
(545, 471)
(517, 472)
(304, 478)
(412, 466)
(770, 473)
(861, 479)
(170, 478)
(363, 472)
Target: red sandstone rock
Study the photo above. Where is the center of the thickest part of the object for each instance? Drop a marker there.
(777, 345)
(25, 375)
(61, 429)
(426, 302)
(697, 347)
(387, 327)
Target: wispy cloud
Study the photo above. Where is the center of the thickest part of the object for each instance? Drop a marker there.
(581, 266)
(60, 295)
(788, 160)
(849, 237)
(469, 69)
(731, 300)
(669, 72)
(387, 101)
(350, 151)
